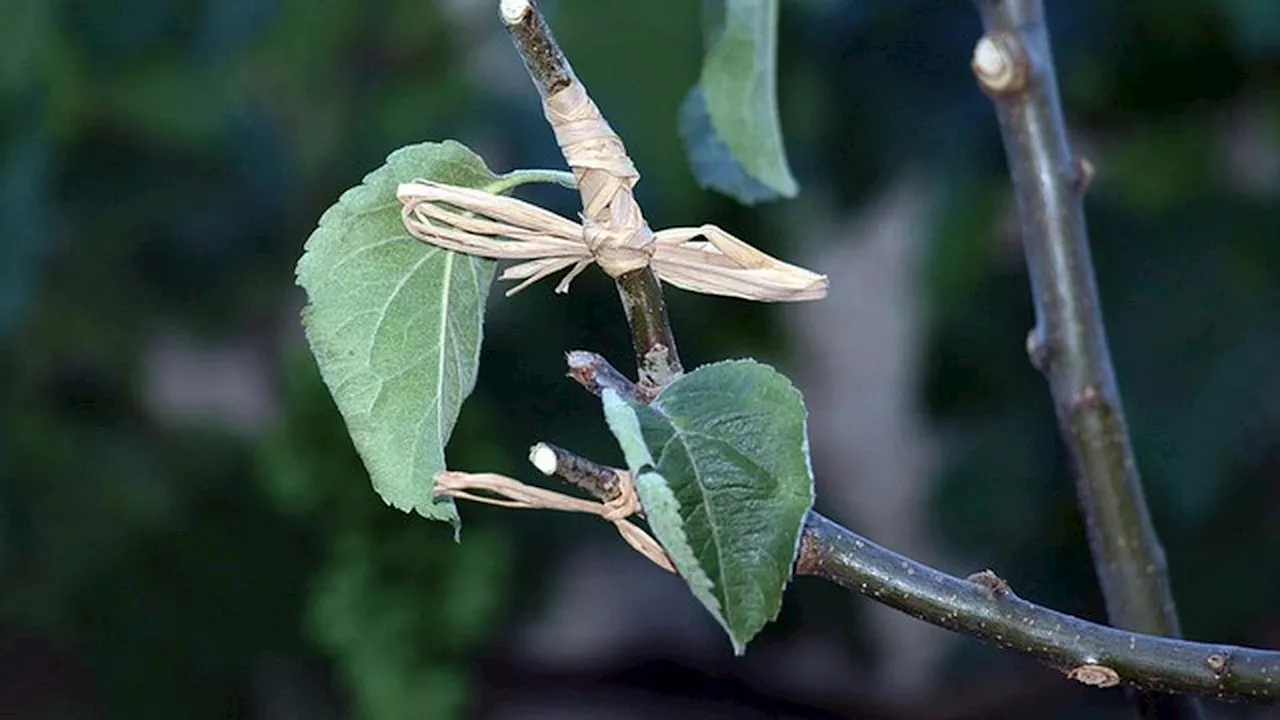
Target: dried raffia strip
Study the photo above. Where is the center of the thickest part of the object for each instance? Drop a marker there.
(613, 232)
(508, 492)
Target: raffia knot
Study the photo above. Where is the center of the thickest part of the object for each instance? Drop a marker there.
(613, 232)
(618, 252)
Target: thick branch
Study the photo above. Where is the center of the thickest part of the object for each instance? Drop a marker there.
(1069, 344)
(983, 607)
(651, 336)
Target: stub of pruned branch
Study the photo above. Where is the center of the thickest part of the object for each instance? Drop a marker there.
(613, 232)
(495, 489)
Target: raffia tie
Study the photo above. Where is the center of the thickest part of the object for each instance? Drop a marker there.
(613, 233)
(508, 492)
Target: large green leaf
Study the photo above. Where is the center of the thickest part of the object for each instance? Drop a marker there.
(721, 461)
(395, 324)
(729, 121)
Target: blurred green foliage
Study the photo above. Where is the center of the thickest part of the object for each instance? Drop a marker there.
(162, 163)
(395, 601)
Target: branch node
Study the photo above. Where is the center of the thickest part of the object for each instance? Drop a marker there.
(1089, 399)
(1218, 663)
(988, 580)
(1082, 175)
(1001, 64)
(1099, 676)
(1037, 349)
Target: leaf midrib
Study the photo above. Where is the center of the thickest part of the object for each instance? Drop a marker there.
(711, 517)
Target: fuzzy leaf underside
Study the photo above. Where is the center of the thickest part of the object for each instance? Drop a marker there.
(396, 324)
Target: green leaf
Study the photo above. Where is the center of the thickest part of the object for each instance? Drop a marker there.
(729, 121)
(396, 324)
(721, 462)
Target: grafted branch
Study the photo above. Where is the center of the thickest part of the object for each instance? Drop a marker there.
(983, 606)
(655, 345)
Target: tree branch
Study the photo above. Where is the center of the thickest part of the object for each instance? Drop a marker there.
(1014, 66)
(599, 481)
(1069, 342)
(593, 372)
(984, 607)
(657, 360)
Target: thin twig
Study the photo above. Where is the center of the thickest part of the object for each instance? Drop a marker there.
(1014, 65)
(988, 610)
(593, 372)
(651, 336)
(599, 481)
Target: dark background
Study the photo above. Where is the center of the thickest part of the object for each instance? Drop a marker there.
(185, 530)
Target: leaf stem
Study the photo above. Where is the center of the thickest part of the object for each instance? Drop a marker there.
(657, 360)
(520, 177)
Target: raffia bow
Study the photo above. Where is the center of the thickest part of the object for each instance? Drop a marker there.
(613, 233)
(497, 227)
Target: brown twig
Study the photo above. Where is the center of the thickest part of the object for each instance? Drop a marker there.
(593, 372)
(657, 359)
(599, 481)
(1013, 63)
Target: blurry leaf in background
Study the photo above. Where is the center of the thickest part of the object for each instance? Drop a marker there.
(1255, 23)
(396, 324)
(729, 121)
(711, 159)
(399, 607)
(1175, 145)
(26, 43)
(721, 458)
(25, 165)
(397, 604)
